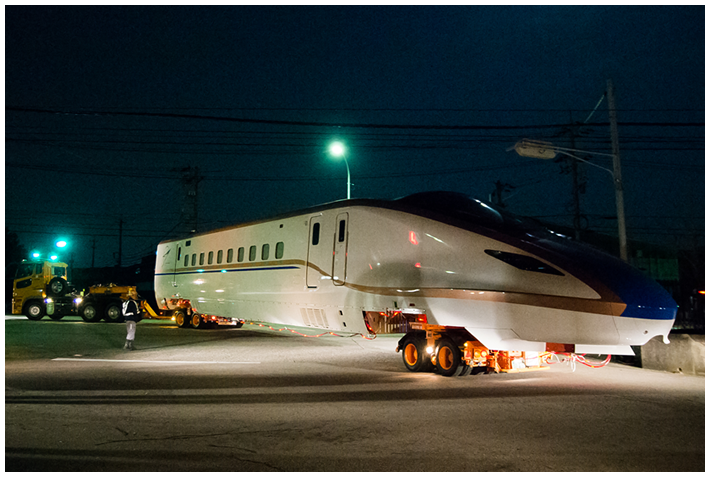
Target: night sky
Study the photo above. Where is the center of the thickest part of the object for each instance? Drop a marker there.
(106, 107)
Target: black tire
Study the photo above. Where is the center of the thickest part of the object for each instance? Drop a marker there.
(91, 312)
(57, 286)
(56, 316)
(465, 370)
(414, 354)
(113, 313)
(35, 310)
(239, 324)
(448, 358)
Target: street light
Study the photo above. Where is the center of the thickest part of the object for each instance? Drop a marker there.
(337, 149)
(546, 150)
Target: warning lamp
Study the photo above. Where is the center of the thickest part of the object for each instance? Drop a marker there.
(701, 292)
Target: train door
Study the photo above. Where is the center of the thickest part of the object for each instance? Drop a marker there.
(340, 249)
(169, 261)
(178, 258)
(318, 260)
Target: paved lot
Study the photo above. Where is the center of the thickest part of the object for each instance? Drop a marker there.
(252, 399)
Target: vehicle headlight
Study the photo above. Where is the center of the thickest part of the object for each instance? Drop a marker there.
(77, 301)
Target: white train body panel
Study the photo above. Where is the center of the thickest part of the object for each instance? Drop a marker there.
(325, 267)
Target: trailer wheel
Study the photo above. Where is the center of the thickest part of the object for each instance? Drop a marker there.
(180, 318)
(113, 312)
(448, 358)
(35, 310)
(57, 287)
(90, 312)
(196, 321)
(413, 354)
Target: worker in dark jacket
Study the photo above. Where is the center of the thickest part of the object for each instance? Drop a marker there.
(131, 313)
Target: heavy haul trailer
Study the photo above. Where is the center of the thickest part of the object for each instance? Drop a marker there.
(185, 317)
(103, 302)
(455, 352)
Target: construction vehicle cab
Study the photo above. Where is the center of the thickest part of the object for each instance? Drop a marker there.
(36, 280)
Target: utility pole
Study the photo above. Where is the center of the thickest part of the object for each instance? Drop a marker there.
(120, 241)
(93, 252)
(618, 184)
(576, 187)
(498, 193)
(191, 179)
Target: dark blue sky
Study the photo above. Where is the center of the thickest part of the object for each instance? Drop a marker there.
(107, 104)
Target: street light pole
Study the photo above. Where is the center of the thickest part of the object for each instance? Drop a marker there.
(337, 149)
(348, 169)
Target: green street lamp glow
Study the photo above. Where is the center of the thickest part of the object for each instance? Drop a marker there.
(337, 149)
(61, 243)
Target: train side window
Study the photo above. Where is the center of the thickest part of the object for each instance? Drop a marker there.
(341, 231)
(187, 259)
(279, 250)
(219, 256)
(202, 258)
(252, 253)
(210, 258)
(316, 233)
(230, 255)
(240, 254)
(265, 251)
(194, 259)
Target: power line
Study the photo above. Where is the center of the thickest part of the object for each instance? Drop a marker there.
(282, 122)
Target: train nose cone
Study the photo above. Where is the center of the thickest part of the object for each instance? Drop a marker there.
(643, 296)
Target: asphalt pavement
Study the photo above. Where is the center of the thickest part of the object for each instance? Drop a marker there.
(255, 399)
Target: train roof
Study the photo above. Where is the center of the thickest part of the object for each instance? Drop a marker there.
(453, 208)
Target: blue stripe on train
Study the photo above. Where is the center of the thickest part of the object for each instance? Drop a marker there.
(224, 270)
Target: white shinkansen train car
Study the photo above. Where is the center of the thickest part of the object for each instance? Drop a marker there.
(447, 270)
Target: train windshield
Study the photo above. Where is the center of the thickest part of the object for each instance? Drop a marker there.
(461, 207)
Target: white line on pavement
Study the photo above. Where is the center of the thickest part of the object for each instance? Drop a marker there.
(154, 361)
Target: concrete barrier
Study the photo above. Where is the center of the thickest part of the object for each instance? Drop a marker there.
(684, 354)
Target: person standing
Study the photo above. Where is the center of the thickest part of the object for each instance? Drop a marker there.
(132, 313)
